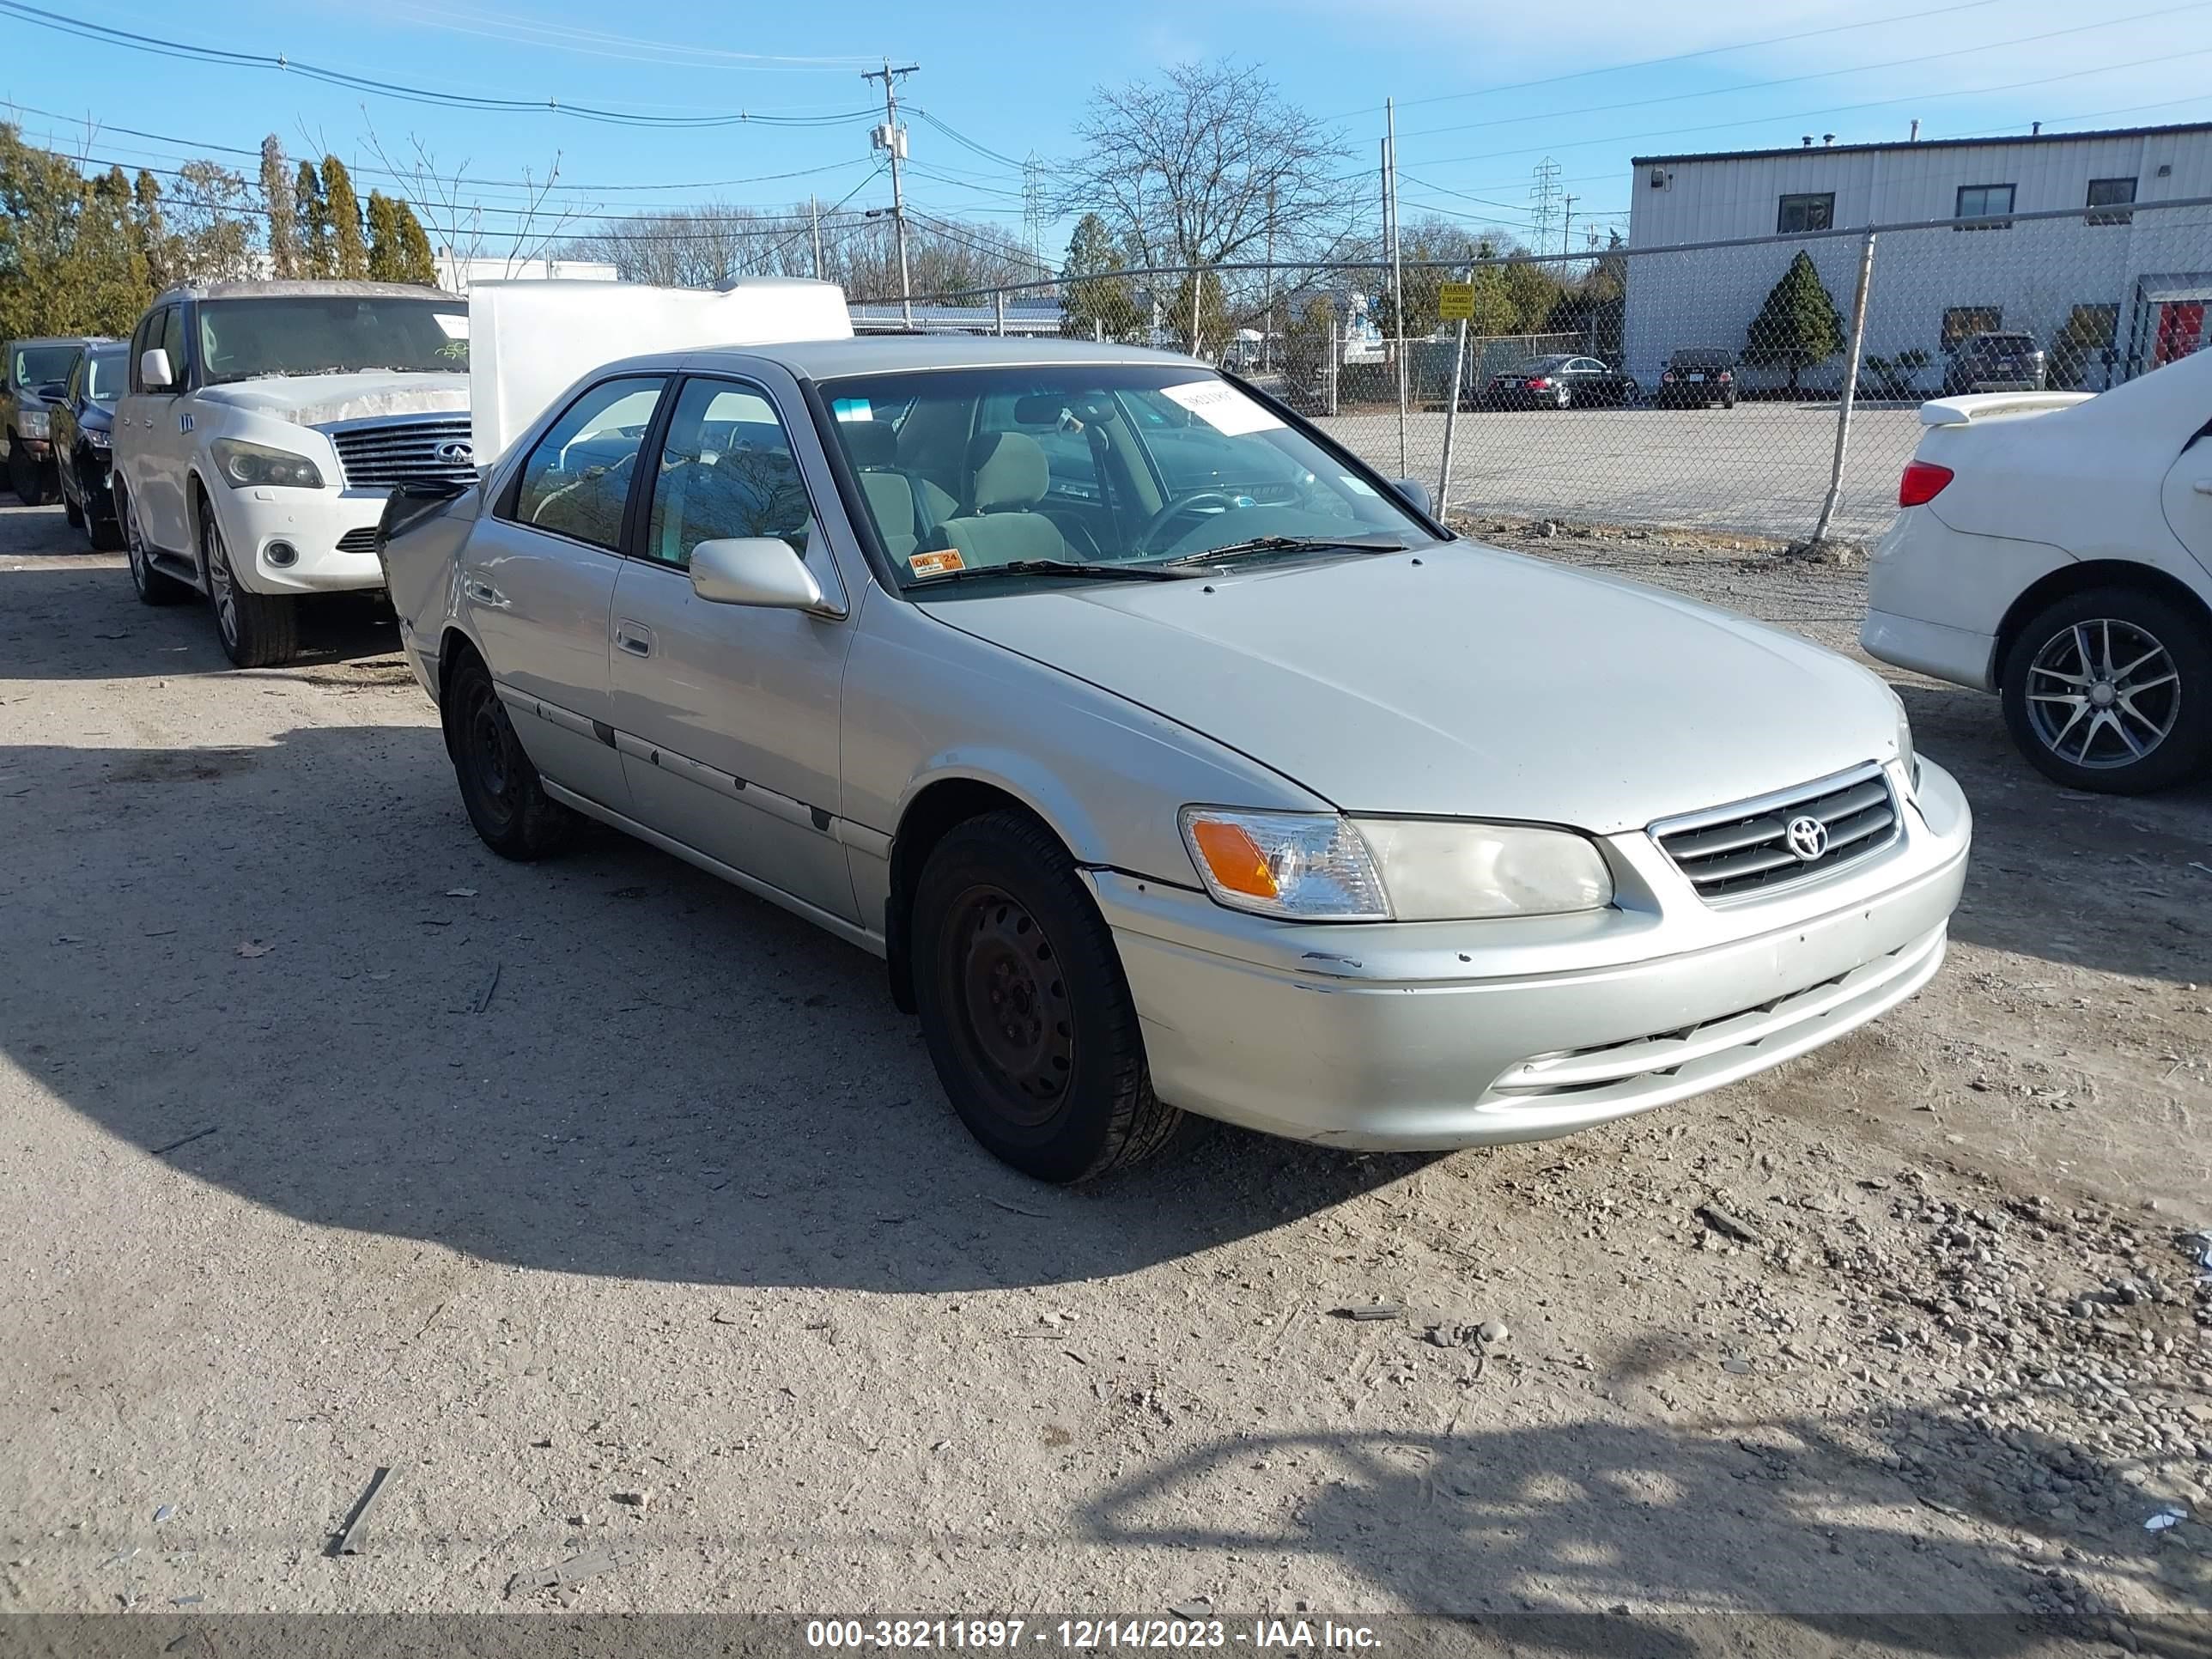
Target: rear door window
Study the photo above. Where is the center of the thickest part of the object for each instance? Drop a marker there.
(575, 481)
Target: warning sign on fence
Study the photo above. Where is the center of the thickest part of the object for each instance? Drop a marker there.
(1455, 301)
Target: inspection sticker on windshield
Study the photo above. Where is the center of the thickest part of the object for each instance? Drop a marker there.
(936, 562)
(456, 327)
(1222, 407)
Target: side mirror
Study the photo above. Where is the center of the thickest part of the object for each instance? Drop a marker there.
(754, 570)
(52, 393)
(1415, 494)
(154, 370)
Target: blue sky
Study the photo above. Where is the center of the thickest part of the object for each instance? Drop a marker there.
(1009, 81)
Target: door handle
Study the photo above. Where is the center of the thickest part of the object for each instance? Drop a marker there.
(2203, 486)
(635, 638)
(484, 593)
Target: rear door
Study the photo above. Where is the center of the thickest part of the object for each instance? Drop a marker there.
(538, 582)
(2187, 496)
(728, 714)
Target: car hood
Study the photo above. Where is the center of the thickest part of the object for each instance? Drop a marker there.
(95, 417)
(323, 399)
(1474, 683)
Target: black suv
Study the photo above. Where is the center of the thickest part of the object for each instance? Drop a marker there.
(1696, 378)
(34, 367)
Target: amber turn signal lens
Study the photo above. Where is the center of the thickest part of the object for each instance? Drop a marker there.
(1233, 858)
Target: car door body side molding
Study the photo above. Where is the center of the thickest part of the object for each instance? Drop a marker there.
(707, 777)
(871, 942)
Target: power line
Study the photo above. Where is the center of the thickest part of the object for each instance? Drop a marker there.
(1819, 75)
(596, 43)
(1679, 57)
(190, 54)
(201, 146)
(963, 140)
(1832, 109)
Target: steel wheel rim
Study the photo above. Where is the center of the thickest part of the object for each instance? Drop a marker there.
(134, 544)
(1010, 1001)
(2103, 693)
(488, 751)
(220, 585)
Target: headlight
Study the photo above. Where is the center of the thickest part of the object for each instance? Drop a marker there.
(31, 423)
(243, 463)
(1320, 867)
(98, 438)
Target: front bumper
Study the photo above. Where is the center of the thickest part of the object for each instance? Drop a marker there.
(1440, 1035)
(329, 532)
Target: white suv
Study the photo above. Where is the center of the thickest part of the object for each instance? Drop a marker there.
(265, 426)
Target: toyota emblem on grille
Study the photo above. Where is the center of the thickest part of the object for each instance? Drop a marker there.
(456, 454)
(1808, 837)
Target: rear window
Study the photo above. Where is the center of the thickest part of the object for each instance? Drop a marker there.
(33, 365)
(1700, 360)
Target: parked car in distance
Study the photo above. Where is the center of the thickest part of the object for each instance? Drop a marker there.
(2010, 362)
(33, 370)
(80, 421)
(265, 425)
(1696, 378)
(2055, 548)
(1560, 381)
(1172, 814)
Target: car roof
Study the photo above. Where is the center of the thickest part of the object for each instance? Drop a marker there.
(64, 339)
(296, 289)
(881, 353)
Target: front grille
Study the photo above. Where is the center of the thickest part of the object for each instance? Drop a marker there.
(358, 541)
(404, 452)
(1747, 847)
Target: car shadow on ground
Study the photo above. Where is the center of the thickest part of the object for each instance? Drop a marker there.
(2107, 882)
(45, 609)
(293, 972)
(1793, 1534)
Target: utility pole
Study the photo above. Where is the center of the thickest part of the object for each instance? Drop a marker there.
(1543, 198)
(1267, 315)
(1566, 229)
(890, 138)
(814, 208)
(1397, 265)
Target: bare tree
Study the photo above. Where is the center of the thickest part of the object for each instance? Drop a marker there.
(443, 198)
(1209, 163)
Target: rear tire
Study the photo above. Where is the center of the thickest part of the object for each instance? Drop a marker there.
(71, 511)
(2128, 669)
(1024, 1006)
(505, 799)
(257, 631)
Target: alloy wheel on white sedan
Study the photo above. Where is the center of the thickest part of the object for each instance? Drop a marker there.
(2103, 693)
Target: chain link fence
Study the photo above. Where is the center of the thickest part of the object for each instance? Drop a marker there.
(1767, 387)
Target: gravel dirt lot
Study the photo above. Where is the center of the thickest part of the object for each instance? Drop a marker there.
(1759, 469)
(613, 1210)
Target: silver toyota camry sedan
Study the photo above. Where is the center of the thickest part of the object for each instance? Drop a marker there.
(1174, 761)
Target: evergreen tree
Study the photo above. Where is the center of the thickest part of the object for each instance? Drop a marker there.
(383, 237)
(416, 263)
(349, 251)
(1798, 326)
(276, 197)
(153, 234)
(311, 218)
(1093, 301)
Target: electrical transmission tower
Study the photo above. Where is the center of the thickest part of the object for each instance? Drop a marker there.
(1033, 213)
(1544, 203)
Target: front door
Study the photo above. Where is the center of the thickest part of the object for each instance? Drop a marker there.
(537, 584)
(160, 440)
(728, 714)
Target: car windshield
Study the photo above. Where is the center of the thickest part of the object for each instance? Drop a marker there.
(1094, 465)
(35, 366)
(1541, 364)
(328, 334)
(105, 375)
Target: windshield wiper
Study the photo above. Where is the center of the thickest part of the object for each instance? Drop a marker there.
(1283, 544)
(1112, 573)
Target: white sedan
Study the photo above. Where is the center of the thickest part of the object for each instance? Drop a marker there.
(2055, 548)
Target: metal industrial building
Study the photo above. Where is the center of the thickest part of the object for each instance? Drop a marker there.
(2108, 295)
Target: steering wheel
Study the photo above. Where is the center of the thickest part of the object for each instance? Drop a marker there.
(1153, 536)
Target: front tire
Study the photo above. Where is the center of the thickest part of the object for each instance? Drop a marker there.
(257, 631)
(25, 475)
(505, 799)
(71, 512)
(2111, 689)
(1024, 1007)
(152, 586)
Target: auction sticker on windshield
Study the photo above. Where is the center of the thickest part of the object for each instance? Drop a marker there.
(455, 325)
(937, 562)
(1222, 407)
